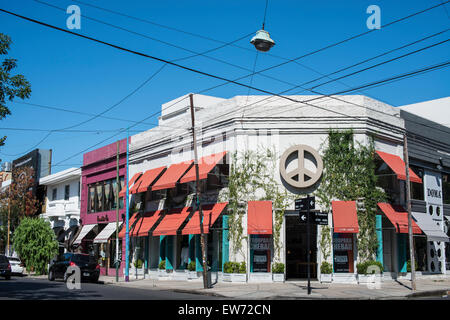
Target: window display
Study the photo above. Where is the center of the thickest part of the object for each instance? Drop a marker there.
(343, 252)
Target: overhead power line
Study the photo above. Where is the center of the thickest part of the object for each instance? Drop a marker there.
(159, 59)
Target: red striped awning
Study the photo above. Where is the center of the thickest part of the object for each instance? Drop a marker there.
(205, 165)
(399, 218)
(131, 220)
(259, 217)
(210, 215)
(144, 224)
(130, 183)
(148, 178)
(171, 176)
(398, 166)
(172, 221)
(345, 218)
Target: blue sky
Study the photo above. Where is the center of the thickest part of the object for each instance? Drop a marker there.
(73, 73)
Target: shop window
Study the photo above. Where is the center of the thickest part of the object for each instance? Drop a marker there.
(417, 189)
(420, 244)
(67, 192)
(387, 180)
(99, 189)
(260, 252)
(108, 204)
(343, 252)
(218, 177)
(182, 252)
(102, 196)
(446, 188)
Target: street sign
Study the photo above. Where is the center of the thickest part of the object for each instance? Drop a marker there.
(302, 204)
(319, 218)
(303, 217)
(314, 217)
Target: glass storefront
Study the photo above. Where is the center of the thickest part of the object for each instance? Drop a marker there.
(343, 252)
(260, 246)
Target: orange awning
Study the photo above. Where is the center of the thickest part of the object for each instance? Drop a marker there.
(144, 224)
(398, 166)
(205, 165)
(210, 215)
(130, 183)
(399, 218)
(172, 221)
(148, 178)
(345, 218)
(131, 220)
(171, 176)
(259, 217)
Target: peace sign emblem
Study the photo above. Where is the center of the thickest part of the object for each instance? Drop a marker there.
(297, 177)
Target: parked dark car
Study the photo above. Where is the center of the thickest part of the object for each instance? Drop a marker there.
(89, 268)
(5, 267)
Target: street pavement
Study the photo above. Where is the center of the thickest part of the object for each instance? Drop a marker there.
(432, 287)
(39, 288)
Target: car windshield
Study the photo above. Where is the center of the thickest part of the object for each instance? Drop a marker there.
(81, 258)
(3, 259)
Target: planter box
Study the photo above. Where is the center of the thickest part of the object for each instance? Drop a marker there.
(370, 278)
(235, 277)
(260, 277)
(349, 278)
(278, 277)
(326, 277)
(192, 275)
(162, 273)
(179, 275)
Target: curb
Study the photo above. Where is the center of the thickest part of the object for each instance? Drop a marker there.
(431, 293)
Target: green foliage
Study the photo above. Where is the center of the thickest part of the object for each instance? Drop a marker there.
(349, 175)
(191, 266)
(408, 265)
(162, 265)
(139, 263)
(361, 268)
(35, 243)
(252, 177)
(278, 267)
(234, 267)
(325, 242)
(326, 268)
(11, 86)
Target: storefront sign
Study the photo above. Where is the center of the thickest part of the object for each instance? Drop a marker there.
(433, 187)
(297, 177)
(343, 252)
(260, 243)
(102, 218)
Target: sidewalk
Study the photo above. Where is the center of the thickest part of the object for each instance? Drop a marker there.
(295, 289)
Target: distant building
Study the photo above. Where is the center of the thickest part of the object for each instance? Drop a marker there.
(437, 110)
(41, 161)
(62, 204)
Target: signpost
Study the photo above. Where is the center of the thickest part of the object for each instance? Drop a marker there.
(306, 204)
(308, 214)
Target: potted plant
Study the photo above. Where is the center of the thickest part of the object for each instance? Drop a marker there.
(192, 273)
(278, 272)
(326, 269)
(234, 272)
(162, 269)
(369, 271)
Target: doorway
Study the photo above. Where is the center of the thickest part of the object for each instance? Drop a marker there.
(296, 249)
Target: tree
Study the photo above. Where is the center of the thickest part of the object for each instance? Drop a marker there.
(17, 200)
(35, 242)
(349, 175)
(11, 86)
